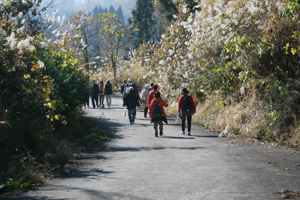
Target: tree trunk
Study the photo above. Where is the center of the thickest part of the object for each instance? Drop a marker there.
(115, 70)
(114, 66)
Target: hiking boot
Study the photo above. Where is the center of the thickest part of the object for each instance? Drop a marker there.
(161, 133)
(182, 133)
(189, 133)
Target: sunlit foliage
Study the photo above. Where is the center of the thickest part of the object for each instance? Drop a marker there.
(41, 89)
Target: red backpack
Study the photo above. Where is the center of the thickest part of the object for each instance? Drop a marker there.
(101, 88)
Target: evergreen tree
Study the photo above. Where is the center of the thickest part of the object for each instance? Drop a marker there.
(101, 10)
(169, 8)
(95, 12)
(143, 22)
(112, 10)
(119, 12)
(191, 5)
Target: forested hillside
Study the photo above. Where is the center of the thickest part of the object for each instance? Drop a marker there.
(238, 58)
(67, 7)
(99, 10)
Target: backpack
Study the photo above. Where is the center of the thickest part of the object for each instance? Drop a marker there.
(130, 103)
(187, 104)
(101, 88)
(94, 88)
(157, 112)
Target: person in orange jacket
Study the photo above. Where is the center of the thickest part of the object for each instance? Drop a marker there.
(157, 113)
(186, 108)
(151, 94)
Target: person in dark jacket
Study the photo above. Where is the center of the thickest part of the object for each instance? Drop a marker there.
(136, 92)
(108, 92)
(89, 92)
(186, 112)
(95, 93)
(123, 87)
(131, 102)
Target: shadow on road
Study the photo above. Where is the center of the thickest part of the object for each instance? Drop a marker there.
(107, 124)
(135, 149)
(206, 136)
(180, 138)
(33, 198)
(89, 193)
(90, 174)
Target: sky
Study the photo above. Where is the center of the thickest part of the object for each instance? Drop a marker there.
(75, 5)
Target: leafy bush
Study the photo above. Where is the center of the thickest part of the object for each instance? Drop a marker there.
(68, 85)
(41, 89)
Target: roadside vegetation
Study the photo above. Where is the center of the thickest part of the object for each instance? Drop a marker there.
(42, 90)
(239, 59)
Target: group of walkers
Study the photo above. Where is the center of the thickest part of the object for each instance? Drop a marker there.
(154, 106)
(97, 93)
(150, 99)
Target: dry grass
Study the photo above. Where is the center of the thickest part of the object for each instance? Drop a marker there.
(295, 139)
(247, 117)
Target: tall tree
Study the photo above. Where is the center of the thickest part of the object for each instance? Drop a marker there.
(119, 12)
(111, 32)
(143, 22)
(111, 10)
(101, 10)
(84, 36)
(170, 8)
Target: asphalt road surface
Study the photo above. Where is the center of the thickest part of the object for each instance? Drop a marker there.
(137, 165)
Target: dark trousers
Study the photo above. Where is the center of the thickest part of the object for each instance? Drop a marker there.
(156, 124)
(189, 121)
(87, 103)
(94, 98)
(101, 98)
(145, 111)
(131, 114)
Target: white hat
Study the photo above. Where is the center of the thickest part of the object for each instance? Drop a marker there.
(129, 80)
(147, 86)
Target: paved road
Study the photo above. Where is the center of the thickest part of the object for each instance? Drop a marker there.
(136, 165)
